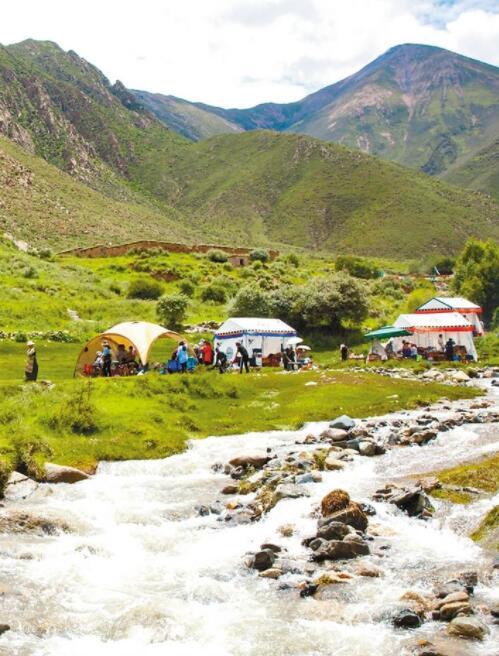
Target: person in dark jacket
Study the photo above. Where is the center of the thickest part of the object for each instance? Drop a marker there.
(449, 349)
(344, 352)
(243, 358)
(31, 367)
(220, 360)
(107, 358)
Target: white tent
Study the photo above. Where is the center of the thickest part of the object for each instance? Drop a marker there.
(444, 304)
(139, 334)
(426, 327)
(261, 337)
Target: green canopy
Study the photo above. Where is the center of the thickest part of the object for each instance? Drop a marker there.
(386, 332)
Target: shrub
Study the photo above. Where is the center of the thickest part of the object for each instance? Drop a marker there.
(257, 265)
(115, 288)
(171, 309)
(30, 453)
(30, 272)
(145, 289)
(187, 288)
(77, 413)
(215, 293)
(215, 255)
(293, 259)
(357, 266)
(259, 255)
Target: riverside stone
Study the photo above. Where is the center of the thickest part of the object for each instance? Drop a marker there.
(246, 461)
(334, 531)
(341, 550)
(351, 515)
(19, 487)
(467, 627)
(4, 628)
(406, 619)
(333, 501)
(367, 448)
(344, 422)
(289, 491)
(331, 464)
(263, 560)
(449, 611)
(61, 474)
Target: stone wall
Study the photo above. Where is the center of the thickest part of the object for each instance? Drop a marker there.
(122, 249)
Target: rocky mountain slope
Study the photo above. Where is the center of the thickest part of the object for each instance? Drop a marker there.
(421, 106)
(251, 188)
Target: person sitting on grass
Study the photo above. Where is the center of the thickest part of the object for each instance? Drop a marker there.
(31, 366)
(243, 358)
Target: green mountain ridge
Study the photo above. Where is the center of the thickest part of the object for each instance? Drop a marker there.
(421, 106)
(250, 188)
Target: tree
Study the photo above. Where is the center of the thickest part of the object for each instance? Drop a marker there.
(251, 301)
(171, 310)
(476, 275)
(332, 301)
(357, 266)
(214, 292)
(215, 255)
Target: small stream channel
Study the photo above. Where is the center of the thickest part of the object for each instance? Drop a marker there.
(140, 573)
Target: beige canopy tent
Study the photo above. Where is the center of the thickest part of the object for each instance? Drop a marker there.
(139, 334)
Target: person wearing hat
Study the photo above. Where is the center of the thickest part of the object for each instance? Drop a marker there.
(31, 367)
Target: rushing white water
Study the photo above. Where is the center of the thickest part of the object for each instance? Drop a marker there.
(142, 574)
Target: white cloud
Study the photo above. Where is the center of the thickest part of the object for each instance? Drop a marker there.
(241, 52)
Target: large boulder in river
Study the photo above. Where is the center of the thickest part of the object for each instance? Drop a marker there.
(19, 487)
(247, 461)
(341, 550)
(53, 473)
(353, 515)
(263, 560)
(467, 627)
(344, 422)
(333, 501)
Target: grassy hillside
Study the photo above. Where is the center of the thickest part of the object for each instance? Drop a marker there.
(264, 186)
(480, 171)
(44, 206)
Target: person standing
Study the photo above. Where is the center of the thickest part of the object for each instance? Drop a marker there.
(441, 343)
(344, 352)
(107, 358)
(182, 357)
(31, 367)
(449, 349)
(243, 358)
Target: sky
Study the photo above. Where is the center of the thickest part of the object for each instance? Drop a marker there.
(237, 53)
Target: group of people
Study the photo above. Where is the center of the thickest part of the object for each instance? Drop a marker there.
(123, 363)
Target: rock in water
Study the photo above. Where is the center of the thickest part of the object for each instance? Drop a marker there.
(263, 560)
(61, 474)
(331, 464)
(406, 619)
(351, 515)
(344, 422)
(333, 501)
(256, 461)
(4, 628)
(334, 531)
(367, 448)
(340, 550)
(19, 487)
(467, 627)
(289, 491)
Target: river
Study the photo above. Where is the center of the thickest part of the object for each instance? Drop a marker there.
(142, 574)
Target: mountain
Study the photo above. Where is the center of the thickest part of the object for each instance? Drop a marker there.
(421, 106)
(96, 165)
(479, 171)
(185, 117)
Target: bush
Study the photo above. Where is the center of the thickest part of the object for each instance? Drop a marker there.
(145, 289)
(30, 272)
(30, 452)
(357, 266)
(257, 265)
(171, 310)
(77, 413)
(218, 256)
(251, 301)
(187, 288)
(293, 259)
(215, 293)
(115, 288)
(259, 255)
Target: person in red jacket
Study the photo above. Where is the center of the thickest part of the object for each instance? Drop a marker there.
(207, 353)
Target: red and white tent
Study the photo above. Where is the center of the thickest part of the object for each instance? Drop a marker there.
(444, 304)
(426, 328)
